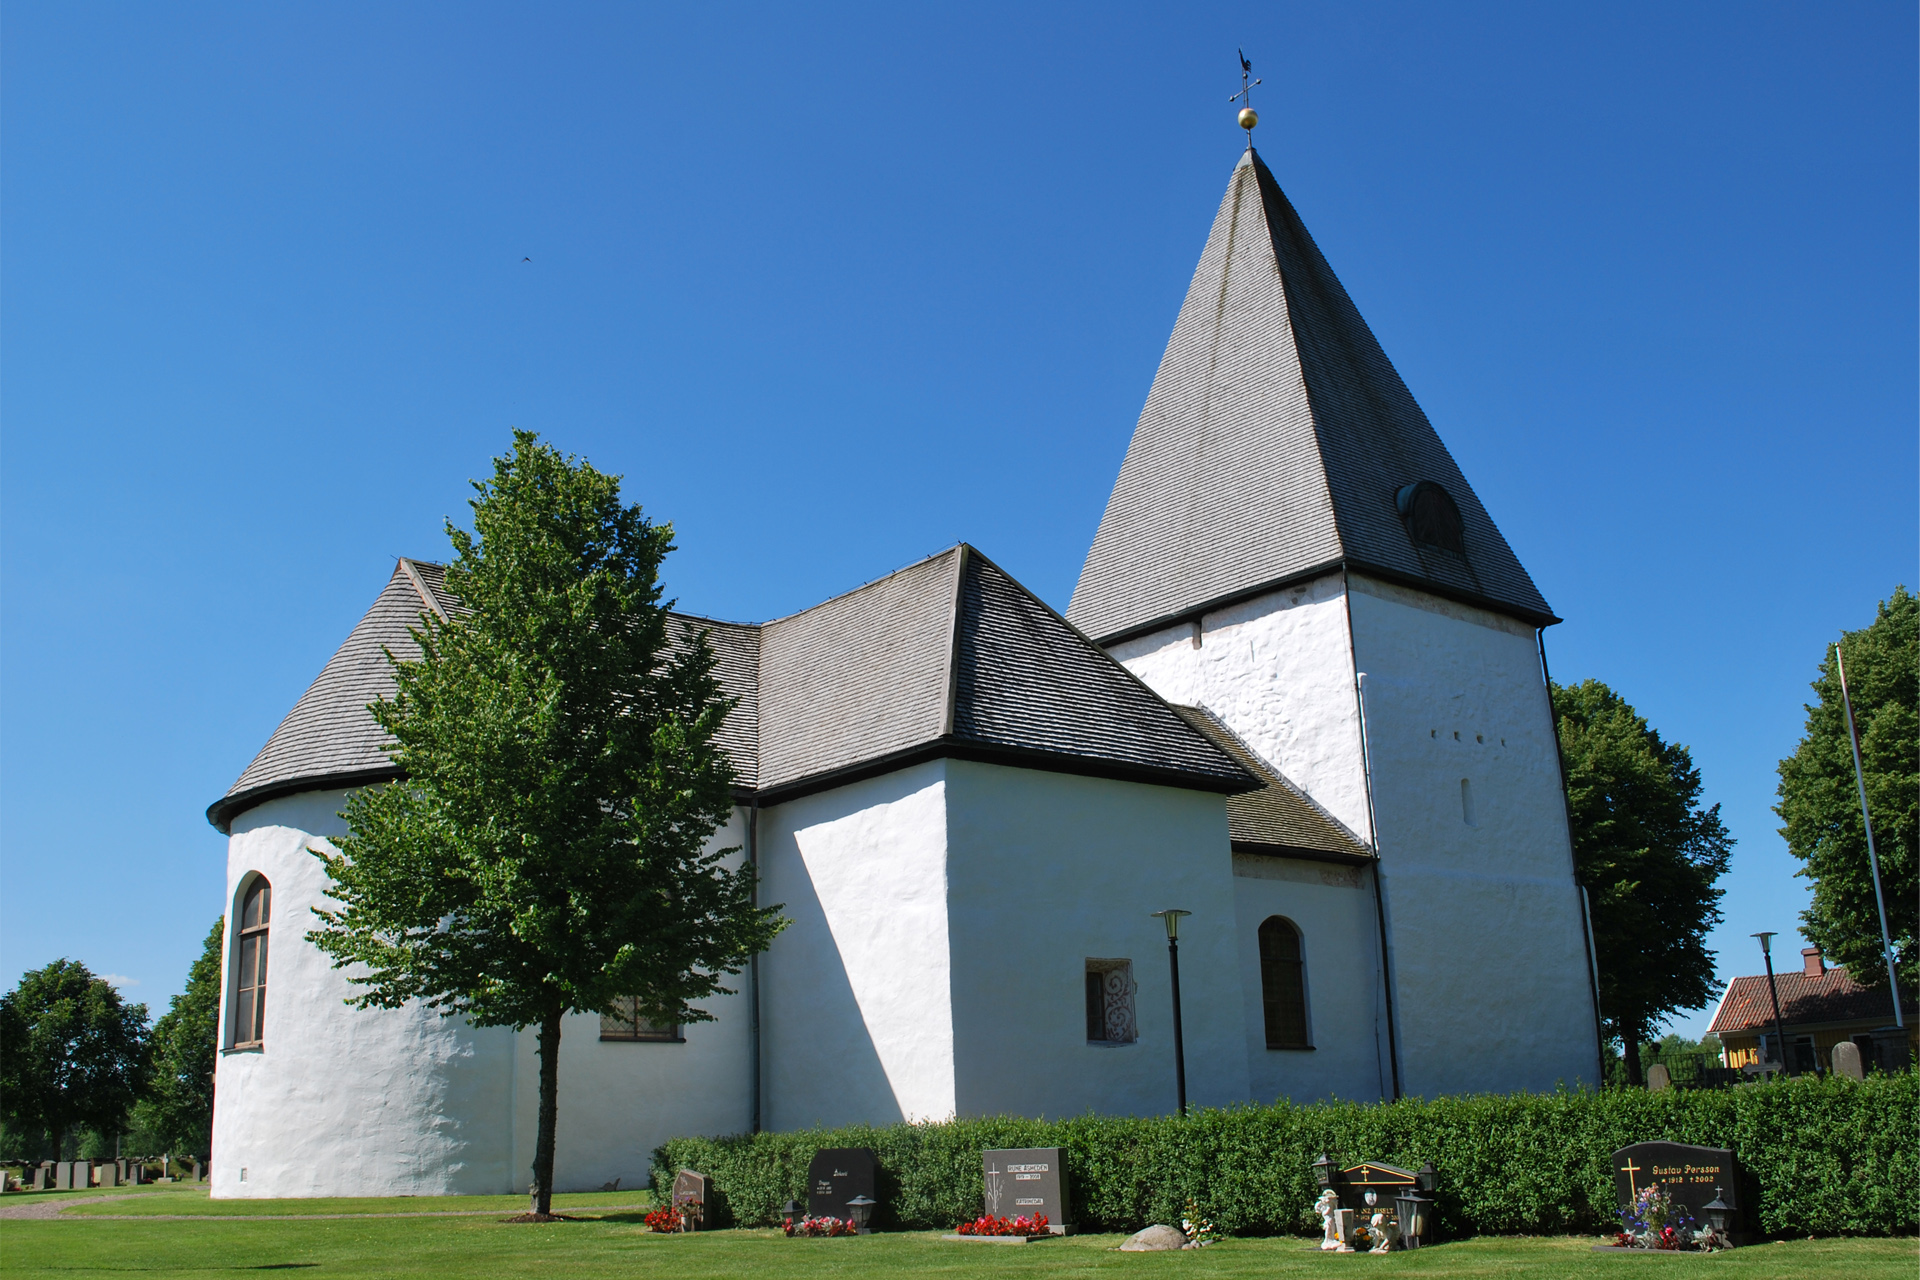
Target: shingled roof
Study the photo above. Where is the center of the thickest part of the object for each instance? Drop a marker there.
(947, 657)
(1829, 997)
(1279, 819)
(1275, 445)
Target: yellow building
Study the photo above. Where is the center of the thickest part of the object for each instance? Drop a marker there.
(1819, 1008)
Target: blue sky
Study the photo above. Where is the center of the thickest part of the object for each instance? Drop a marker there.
(836, 287)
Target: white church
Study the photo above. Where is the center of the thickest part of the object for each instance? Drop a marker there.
(1299, 693)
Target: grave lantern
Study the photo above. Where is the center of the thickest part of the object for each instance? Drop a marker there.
(1428, 1179)
(1323, 1171)
(1718, 1213)
(1410, 1210)
(792, 1209)
(860, 1208)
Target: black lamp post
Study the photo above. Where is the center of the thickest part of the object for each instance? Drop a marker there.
(1719, 1215)
(1779, 1035)
(1172, 920)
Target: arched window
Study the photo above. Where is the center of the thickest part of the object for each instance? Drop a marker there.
(1432, 517)
(1283, 984)
(250, 985)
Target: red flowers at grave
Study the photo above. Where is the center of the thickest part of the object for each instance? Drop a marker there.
(664, 1219)
(821, 1227)
(988, 1225)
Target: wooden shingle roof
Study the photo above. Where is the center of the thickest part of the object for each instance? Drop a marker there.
(1276, 444)
(947, 657)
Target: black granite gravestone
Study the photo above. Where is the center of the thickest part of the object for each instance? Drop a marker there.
(837, 1175)
(1691, 1175)
(1027, 1182)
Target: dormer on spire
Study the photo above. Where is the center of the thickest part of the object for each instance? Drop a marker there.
(1278, 443)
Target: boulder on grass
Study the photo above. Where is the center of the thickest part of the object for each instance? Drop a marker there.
(1155, 1238)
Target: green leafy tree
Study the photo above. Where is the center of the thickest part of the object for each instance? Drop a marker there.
(1820, 800)
(1649, 855)
(546, 852)
(177, 1113)
(72, 1053)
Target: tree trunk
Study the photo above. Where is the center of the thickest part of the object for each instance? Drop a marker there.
(58, 1132)
(549, 1113)
(1630, 1054)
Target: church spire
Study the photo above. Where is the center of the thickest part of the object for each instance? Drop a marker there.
(1279, 443)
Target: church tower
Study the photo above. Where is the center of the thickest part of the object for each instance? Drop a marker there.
(1290, 547)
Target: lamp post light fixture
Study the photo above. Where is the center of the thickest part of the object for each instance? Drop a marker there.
(1719, 1215)
(1410, 1211)
(1779, 1034)
(860, 1209)
(1172, 920)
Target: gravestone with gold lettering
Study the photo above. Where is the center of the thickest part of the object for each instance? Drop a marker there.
(1692, 1176)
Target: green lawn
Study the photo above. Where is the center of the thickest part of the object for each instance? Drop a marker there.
(616, 1244)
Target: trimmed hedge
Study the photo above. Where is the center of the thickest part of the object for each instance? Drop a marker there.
(1819, 1157)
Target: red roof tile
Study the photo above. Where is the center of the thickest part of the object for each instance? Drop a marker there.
(1831, 997)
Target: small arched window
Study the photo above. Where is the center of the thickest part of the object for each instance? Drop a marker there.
(250, 985)
(1432, 517)
(1283, 984)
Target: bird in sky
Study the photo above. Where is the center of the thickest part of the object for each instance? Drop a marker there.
(526, 259)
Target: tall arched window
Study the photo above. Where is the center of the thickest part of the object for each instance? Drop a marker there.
(1283, 984)
(250, 986)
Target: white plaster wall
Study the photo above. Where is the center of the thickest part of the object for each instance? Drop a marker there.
(342, 1101)
(1489, 952)
(1333, 908)
(404, 1102)
(1047, 870)
(619, 1099)
(856, 1019)
(1277, 669)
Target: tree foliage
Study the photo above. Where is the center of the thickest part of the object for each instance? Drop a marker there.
(1820, 800)
(177, 1113)
(72, 1053)
(1649, 855)
(547, 850)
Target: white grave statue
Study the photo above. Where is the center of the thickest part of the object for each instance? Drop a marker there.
(1328, 1207)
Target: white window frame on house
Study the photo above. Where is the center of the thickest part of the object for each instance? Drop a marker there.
(1111, 983)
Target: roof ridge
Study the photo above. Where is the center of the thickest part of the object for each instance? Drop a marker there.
(420, 586)
(1282, 778)
(788, 617)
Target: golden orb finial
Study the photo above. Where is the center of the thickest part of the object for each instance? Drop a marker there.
(1248, 118)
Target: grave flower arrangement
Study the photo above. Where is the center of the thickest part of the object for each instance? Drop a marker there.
(821, 1226)
(1654, 1221)
(988, 1225)
(1200, 1231)
(664, 1219)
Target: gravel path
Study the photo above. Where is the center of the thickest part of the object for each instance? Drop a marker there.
(56, 1208)
(52, 1208)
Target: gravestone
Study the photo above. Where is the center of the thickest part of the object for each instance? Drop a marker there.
(837, 1175)
(690, 1197)
(1026, 1182)
(63, 1176)
(1659, 1079)
(1691, 1175)
(109, 1175)
(41, 1177)
(1846, 1061)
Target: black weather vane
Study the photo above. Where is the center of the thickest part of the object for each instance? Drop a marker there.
(1248, 117)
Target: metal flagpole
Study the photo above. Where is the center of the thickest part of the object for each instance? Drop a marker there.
(1873, 859)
